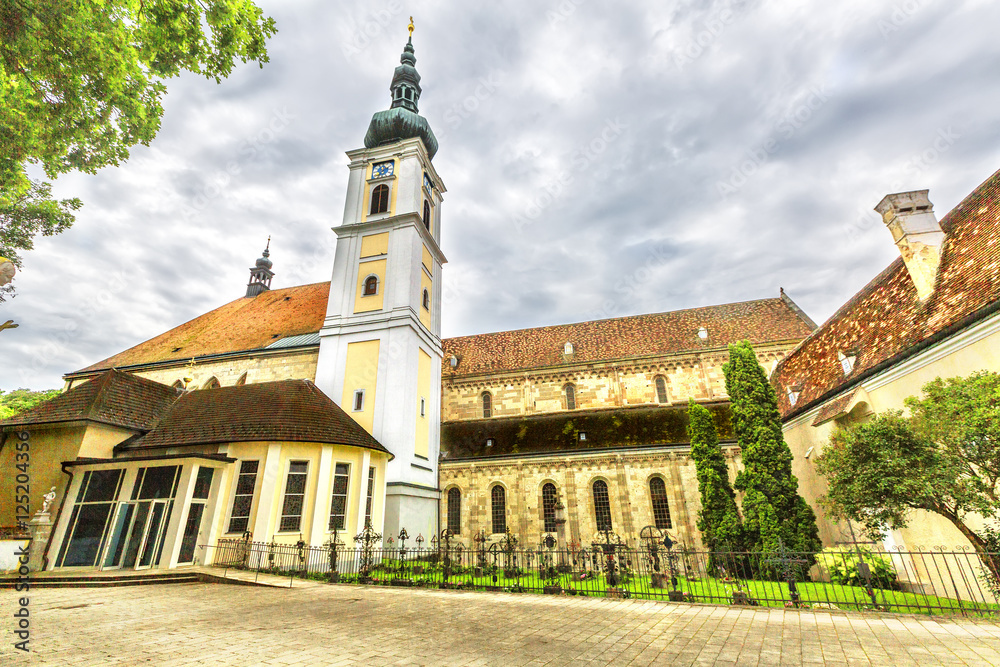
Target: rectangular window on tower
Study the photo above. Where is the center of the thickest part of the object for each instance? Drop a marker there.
(359, 400)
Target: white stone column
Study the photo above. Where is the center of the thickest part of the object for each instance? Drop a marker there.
(178, 517)
(266, 498)
(361, 494)
(321, 503)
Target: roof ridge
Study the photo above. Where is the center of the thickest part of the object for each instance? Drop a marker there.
(623, 317)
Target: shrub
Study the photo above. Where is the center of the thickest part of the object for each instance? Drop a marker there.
(842, 564)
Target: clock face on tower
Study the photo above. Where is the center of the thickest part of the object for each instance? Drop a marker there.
(382, 169)
(427, 182)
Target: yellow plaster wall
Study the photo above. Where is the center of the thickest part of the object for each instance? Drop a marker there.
(425, 313)
(421, 445)
(99, 440)
(365, 304)
(361, 372)
(427, 260)
(48, 447)
(374, 245)
(924, 529)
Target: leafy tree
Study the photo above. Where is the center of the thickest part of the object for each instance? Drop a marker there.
(772, 506)
(719, 518)
(20, 400)
(944, 458)
(82, 82)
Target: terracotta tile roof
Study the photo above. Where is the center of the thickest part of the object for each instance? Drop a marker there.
(886, 321)
(285, 411)
(243, 324)
(114, 397)
(761, 321)
(834, 408)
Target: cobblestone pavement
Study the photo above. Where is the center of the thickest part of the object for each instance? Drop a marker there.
(206, 623)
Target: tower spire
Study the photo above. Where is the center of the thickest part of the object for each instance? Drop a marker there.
(261, 274)
(402, 119)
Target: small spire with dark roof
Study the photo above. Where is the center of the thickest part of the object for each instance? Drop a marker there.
(261, 274)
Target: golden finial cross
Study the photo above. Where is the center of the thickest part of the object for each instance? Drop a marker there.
(410, 27)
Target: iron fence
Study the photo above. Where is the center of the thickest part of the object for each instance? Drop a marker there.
(937, 581)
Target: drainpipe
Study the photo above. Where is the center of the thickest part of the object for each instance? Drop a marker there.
(55, 523)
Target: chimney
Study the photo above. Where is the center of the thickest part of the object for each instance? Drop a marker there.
(915, 229)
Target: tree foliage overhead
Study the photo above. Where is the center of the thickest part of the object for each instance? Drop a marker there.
(19, 400)
(81, 82)
(719, 518)
(944, 458)
(773, 511)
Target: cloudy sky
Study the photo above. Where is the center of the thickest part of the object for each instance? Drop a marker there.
(601, 159)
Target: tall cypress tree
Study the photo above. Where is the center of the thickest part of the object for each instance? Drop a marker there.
(719, 519)
(772, 506)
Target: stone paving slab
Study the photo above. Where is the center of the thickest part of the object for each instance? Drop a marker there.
(218, 624)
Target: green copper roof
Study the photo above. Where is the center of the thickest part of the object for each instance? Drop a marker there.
(401, 120)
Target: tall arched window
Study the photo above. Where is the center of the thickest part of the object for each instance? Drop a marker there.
(570, 391)
(427, 300)
(380, 200)
(487, 405)
(242, 381)
(661, 508)
(455, 511)
(549, 507)
(212, 383)
(371, 286)
(661, 389)
(427, 215)
(498, 498)
(602, 505)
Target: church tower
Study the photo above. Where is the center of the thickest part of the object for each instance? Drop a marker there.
(380, 345)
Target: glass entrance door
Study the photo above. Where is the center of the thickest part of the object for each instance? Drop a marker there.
(137, 535)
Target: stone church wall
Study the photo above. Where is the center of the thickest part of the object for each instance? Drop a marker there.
(598, 385)
(627, 474)
(269, 367)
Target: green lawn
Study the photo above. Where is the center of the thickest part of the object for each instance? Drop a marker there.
(709, 590)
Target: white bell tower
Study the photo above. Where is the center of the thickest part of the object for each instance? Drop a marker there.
(380, 345)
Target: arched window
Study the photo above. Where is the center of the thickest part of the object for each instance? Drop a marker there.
(211, 384)
(570, 391)
(427, 300)
(498, 499)
(427, 215)
(178, 384)
(487, 405)
(661, 508)
(455, 511)
(549, 507)
(380, 200)
(661, 389)
(371, 286)
(242, 381)
(602, 505)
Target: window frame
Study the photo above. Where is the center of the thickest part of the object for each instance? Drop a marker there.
(382, 203)
(236, 494)
(370, 496)
(549, 507)
(659, 511)
(455, 510)
(331, 526)
(428, 212)
(289, 494)
(498, 516)
(569, 395)
(486, 404)
(364, 285)
(661, 396)
(358, 394)
(603, 519)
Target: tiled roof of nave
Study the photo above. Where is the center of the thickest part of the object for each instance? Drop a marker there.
(248, 323)
(885, 320)
(761, 321)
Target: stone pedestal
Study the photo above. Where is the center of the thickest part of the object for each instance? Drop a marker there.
(40, 528)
